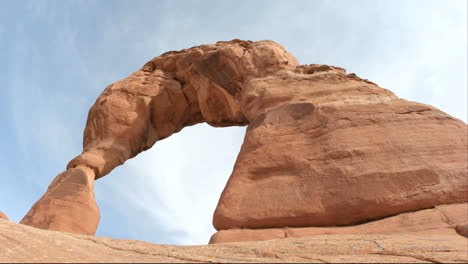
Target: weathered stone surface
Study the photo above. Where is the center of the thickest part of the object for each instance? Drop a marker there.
(20, 244)
(68, 205)
(462, 229)
(323, 147)
(326, 148)
(3, 216)
(441, 220)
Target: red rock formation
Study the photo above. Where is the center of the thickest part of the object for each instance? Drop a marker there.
(322, 148)
(3, 216)
(327, 148)
(462, 229)
(441, 220)
(68, 205)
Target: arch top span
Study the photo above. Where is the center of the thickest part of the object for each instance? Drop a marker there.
(177, 89)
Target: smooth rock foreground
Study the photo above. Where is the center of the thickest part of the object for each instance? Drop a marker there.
(20, 243)
(323, 148)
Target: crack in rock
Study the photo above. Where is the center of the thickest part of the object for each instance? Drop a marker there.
(418, 257)
(444, 217)
(167, 255)
(393, 253)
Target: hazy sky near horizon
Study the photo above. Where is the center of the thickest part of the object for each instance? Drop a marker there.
(58, 56)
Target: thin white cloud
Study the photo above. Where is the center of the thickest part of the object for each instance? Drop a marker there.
(179, 181)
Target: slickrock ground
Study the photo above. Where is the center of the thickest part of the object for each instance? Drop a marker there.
(20, 243)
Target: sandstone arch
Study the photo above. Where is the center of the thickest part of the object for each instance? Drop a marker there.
(322, 148)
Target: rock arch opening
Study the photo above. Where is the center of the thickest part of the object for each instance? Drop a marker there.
(170, 190)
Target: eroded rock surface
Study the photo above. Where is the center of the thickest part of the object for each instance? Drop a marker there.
(68, 205)
(326, 148)
(441, 220)
(3, 216)
(323, 147)
(462, 229)
(24, 244)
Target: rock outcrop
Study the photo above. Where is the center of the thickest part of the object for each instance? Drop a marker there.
(441, 220)
(3, 216)
(322, 147)
(24, 244)
(68, 205)
(462, 229)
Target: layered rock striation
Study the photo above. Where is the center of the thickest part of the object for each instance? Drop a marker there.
(24, 244)
(441, 220)
(322, 147)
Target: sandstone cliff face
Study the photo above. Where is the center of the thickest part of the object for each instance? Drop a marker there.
(325, 148)
(322, 148)
(20, 244)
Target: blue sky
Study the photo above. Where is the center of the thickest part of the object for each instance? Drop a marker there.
(58, 56)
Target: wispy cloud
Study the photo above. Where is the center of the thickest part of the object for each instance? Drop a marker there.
(179, 181)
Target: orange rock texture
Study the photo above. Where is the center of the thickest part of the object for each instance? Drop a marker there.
(68, 205)
(3, 216)
(441, 220)
(322, 147)
(24, 244)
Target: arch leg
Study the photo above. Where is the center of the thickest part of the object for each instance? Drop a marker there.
(111, 137)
